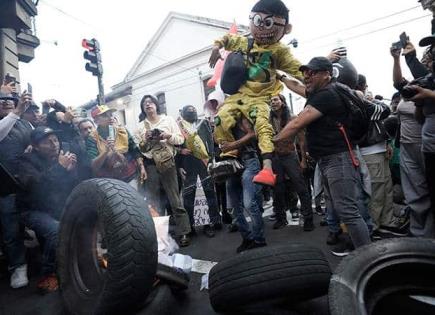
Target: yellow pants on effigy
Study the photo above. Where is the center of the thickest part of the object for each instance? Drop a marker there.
(255, 109)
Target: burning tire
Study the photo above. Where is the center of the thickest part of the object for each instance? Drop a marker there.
(394, 276)
(107, 251)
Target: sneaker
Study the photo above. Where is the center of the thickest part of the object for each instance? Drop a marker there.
(342, 249)
(19, 277)
(246, 244)
(48, 284)
(308, 225)
(265, 177)
(295, 216)
(209, 231)
(376, 235)
(272, 217)
(333, 237)
(319, 210)
(279, 224)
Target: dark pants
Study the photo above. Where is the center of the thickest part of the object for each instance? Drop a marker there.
(46, 229)
(194, 169)
(169, 182)
(288, 165)
(342, 185)
(429, 160)
(12, 234)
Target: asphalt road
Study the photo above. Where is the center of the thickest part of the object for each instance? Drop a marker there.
(27, 301)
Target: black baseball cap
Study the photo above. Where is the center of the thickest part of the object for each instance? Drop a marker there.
(428, 40)
(317, 64)
(40, 133)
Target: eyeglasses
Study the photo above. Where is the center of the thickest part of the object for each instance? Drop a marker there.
(7, 103)
(267, 22)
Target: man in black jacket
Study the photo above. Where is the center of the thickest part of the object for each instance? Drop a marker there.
(14, 140)
(48, 176)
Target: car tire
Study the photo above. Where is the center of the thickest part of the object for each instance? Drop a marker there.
(160, 301)
(120, 215)
(382, 277)
(268, 275)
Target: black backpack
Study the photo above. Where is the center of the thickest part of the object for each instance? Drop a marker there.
(357, 119)
(235, 72)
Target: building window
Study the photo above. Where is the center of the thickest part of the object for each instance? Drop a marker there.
(162, 102)
(207, 90)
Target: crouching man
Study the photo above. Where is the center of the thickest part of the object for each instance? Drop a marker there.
(48, 176)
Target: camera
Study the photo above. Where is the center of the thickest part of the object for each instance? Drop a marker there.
(155, 134)
(426, 82)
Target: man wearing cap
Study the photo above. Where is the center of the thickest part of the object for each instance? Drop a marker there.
(341, 179)
(112, 150)
(48, 176)
(14, 139)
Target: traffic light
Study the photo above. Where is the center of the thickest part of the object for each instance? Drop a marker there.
(92, 54)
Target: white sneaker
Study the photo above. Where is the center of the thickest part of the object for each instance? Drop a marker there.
(19, 277)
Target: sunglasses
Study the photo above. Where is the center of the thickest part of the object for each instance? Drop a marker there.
(267, 22)
(7, 103)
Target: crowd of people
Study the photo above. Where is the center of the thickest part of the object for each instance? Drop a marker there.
(310, 157)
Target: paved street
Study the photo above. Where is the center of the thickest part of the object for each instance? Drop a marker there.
(192, 302)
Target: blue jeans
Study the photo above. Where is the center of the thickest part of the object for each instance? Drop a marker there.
(12, 234)
(342, 184)
(46, 229)
(244, 194)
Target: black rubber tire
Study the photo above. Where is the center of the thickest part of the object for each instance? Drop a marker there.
(177, 280)
(161, 301)
(120, 214)
(366, 280)
(292, 272)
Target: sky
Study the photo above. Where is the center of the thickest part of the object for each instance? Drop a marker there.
(124, 28)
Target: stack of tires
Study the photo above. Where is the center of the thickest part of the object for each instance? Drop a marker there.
(268, 276)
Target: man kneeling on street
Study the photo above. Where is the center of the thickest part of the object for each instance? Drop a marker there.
(48, 176)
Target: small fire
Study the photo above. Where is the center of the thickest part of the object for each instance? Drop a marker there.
(103, 261)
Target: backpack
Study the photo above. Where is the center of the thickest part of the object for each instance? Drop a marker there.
(235, 71)
(357, 119)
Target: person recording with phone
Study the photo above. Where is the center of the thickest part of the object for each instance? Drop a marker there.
(421, 91)
(14, 139)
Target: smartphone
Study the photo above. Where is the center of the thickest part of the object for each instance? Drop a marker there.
(403, 39)
(29, 89)
(396, 45)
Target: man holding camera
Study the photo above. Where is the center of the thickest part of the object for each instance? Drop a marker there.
(158, 137)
